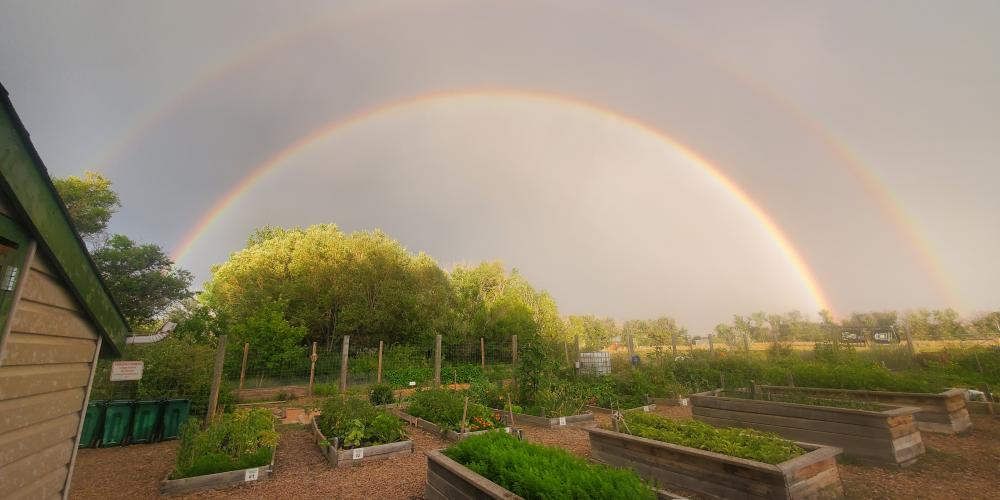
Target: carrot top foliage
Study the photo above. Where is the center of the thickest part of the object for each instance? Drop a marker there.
(741, 443)
(541, 472)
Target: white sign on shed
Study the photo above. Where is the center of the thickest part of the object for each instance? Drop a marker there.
(126, 370)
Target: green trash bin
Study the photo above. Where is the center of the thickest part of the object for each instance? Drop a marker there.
(145, 421)
(93, 420)
(175, 413)
(117, 423)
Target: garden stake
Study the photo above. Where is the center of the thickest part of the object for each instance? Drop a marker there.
(465, 413)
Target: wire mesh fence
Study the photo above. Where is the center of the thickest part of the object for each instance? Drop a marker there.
(258, 376)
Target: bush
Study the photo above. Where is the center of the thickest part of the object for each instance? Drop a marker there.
(741, 443)
(240, 440)
(381, 394)
(534, 471)
(356, 423)
(444, 408)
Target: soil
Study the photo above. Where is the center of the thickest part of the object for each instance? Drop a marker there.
(964, 466)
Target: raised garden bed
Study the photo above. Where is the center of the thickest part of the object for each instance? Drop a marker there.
(812, 475)
(498, 467)
(583, 419)
(339, 457)
(669, 401)
(447, 434)
(983, 408)
(943, 412)
(219, 480)
(236, 448)
(887, 436)
(608, 411)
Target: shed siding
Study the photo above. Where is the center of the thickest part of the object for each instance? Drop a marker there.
(44, 371)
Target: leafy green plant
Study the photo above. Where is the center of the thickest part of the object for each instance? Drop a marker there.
(741, 443)
(240, 440)
(541, 472)
(356, 423)
(804, 399)
(381, 394)
(445, 408)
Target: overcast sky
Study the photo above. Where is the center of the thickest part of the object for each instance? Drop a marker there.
(867, 130)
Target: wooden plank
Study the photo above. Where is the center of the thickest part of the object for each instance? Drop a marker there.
(797, 423)
(49, 485)
(811, 412)
(41, 264)
(43, 319)
(22, 412)
(46, 290)
(32, 468)
(31, 349)
(31, 440)
(20, 381)
(464, 479)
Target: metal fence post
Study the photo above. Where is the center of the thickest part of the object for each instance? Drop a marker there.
(437, 361)
(378, 380)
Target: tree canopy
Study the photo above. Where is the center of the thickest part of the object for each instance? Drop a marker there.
(90, 201)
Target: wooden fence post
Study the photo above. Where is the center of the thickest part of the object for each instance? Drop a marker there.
(482, 352)
(909, 341)
(378, 380)
(711, 346)
(213, 396)
(566, 348)
(673, 344)
(243, 368)
(437, 361)
(513, 363)
(312, 369)
(577, 346)
(343, 363)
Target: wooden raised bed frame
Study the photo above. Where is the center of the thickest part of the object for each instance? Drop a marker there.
(943, 412)
(216, 481)
(813, 475)
(447, 434)
(607, 411)
(338, 457)
(887, 437)
(583, 419)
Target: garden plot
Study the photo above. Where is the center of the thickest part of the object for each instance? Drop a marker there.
(522, 470)
(583, 419)
(872, 432)
(943, 412)
(449, 414)
(754, 466)
(240, 448)
(350, 431)
(608, 411)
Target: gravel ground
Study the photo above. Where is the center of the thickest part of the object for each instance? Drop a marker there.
(966, 467)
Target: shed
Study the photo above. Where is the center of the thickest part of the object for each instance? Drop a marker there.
(56, 319)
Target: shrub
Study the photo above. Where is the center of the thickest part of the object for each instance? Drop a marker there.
(356, 423)
(534, 471)
(326, 390)
(381, 394)
(243, 439)
(445, 408)
(741, 443)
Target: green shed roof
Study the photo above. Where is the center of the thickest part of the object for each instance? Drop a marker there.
(26, 183)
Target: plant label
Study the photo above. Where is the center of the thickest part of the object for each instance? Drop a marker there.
(645, 408)
(251, 474)
(562, 421)
(684, 402)
(507, 430)
(358, 454)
